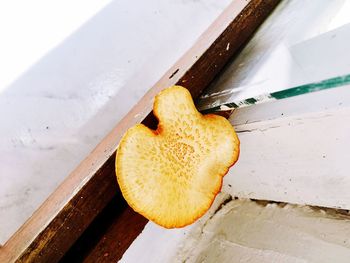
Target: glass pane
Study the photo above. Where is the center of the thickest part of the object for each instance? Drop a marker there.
(302, 42)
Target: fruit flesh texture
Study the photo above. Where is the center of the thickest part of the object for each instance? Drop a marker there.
(172, 175)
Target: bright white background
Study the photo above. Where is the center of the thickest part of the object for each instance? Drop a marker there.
(29, 29)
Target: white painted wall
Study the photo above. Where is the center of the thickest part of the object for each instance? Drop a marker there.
(30, 29)
(246, 231)
(295, 150)
(250, 232)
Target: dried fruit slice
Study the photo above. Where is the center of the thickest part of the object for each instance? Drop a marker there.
(172, 175)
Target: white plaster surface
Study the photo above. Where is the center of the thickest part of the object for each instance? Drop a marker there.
(250, 232)
(56, 112)
(294, 150)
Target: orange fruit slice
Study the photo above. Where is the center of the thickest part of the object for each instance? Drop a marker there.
(171, 175)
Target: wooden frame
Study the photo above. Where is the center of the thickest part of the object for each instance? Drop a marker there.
(66, 214)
